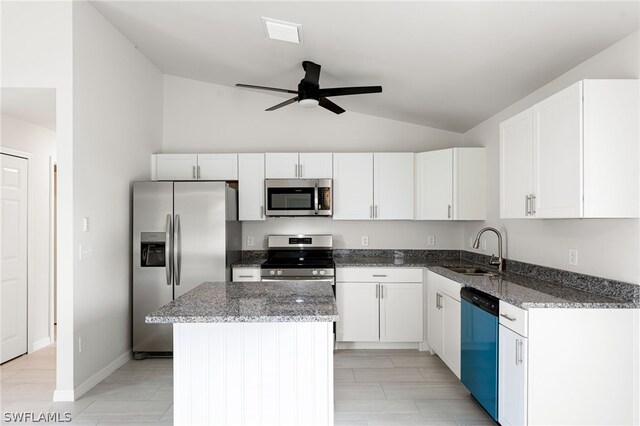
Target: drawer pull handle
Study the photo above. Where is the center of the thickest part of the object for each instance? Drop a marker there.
(245, 276)
(507, 317)
(379, 275)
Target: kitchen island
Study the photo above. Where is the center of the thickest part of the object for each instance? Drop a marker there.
(252, 353)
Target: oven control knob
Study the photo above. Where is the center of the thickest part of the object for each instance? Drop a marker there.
(315, 272)
(279, 271)
(272, 272)
(322, 272)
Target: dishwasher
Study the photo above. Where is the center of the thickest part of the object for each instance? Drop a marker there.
(479, 347)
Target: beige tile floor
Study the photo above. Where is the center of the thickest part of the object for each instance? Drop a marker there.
(372, 387)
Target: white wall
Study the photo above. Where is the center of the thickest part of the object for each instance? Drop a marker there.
(37, 52)
(606, 247)
(117, 113)
(205, 117)
(40, 142)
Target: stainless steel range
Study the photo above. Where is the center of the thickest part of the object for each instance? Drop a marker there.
(300, 258)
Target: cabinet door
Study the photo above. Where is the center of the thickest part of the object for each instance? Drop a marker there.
(557, 159)
(451, 333)
(512, 378)
(251, 187)
(218, 166)
(176, 166)
(316, 165)
(438, 186)
(352, 186)
(281, 165)
(434, 318)
(359, 309)
(393, 185)
(516, 165)
(401, 312)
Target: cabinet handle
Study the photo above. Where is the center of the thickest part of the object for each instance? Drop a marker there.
(516, 342)
(381, 291)
(295, 169)
(198, 172)
(371, 212)
(377, 291)
(381, 275)
(449, 211)
(261, 212)
(519, 345)
(300, 166)
(375, 212)
(245, 276)
(507, 317)
(194, 172)
(527, 198)
(438, 305)
(533, 204)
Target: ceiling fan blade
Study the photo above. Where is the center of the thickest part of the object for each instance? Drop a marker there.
(273, 89)
(312, 72)
(280, 105)
(326, 103)
(342, 91)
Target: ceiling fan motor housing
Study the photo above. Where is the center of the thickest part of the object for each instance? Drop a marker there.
(308, 91)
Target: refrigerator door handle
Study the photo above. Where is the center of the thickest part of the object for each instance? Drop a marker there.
(177, 248)
(168, 259)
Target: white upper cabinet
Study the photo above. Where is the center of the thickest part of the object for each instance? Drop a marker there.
(287, 165)
(393, 185)
(315, 165)
(516, 173)
(194, 166)
(373, 186)
(281, 165)
(573, 155)
(175, 166)
(451, 184)
(251, 187)
(218, 166)
(352, 186)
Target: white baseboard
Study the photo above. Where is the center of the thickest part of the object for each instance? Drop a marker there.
(88, 384)
(376, 345)
(39, 344)
(63, 396)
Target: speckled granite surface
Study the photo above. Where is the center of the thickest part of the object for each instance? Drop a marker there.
(389, 258)
(284, 301)
(527, 292)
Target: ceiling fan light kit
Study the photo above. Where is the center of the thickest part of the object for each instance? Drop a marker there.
(309, 93)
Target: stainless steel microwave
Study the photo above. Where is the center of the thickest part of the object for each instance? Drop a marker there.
(298, 197)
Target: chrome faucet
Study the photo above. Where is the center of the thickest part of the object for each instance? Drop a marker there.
(499, 262)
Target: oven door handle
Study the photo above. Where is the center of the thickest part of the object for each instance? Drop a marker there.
(309, 279)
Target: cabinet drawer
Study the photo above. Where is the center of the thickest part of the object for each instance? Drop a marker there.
(246, 274)
(514, 318)
(379, 275)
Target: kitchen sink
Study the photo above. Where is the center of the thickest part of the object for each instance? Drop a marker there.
(479, 272)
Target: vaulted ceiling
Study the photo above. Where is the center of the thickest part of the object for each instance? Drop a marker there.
(447, 64)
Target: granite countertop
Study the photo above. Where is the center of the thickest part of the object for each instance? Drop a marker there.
(523, 291)
(527, 292)
(283, 301)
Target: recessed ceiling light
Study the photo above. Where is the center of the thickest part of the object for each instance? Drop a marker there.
(281, 30)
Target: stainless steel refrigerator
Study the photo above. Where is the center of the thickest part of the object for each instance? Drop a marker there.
(184, 233)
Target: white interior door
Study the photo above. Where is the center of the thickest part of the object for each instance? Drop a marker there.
(13, 290)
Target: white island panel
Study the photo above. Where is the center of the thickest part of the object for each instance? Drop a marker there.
(253, 373)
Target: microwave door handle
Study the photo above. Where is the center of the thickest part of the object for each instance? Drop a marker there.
(317, 207)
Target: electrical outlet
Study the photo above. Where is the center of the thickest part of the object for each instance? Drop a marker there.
(431, 240)
(85, 224)
(80, 344)
(365, 240)
(573, 257)
(483, 243)
(250, 241)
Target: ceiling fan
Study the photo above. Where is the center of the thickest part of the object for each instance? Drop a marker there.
(309, 93)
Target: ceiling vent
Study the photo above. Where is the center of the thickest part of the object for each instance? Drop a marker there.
(281, 30)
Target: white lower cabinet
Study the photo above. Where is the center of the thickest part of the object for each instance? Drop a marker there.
(373, 307)
(443, 319)
(512, 378)
(359, 312)
(246, 273)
